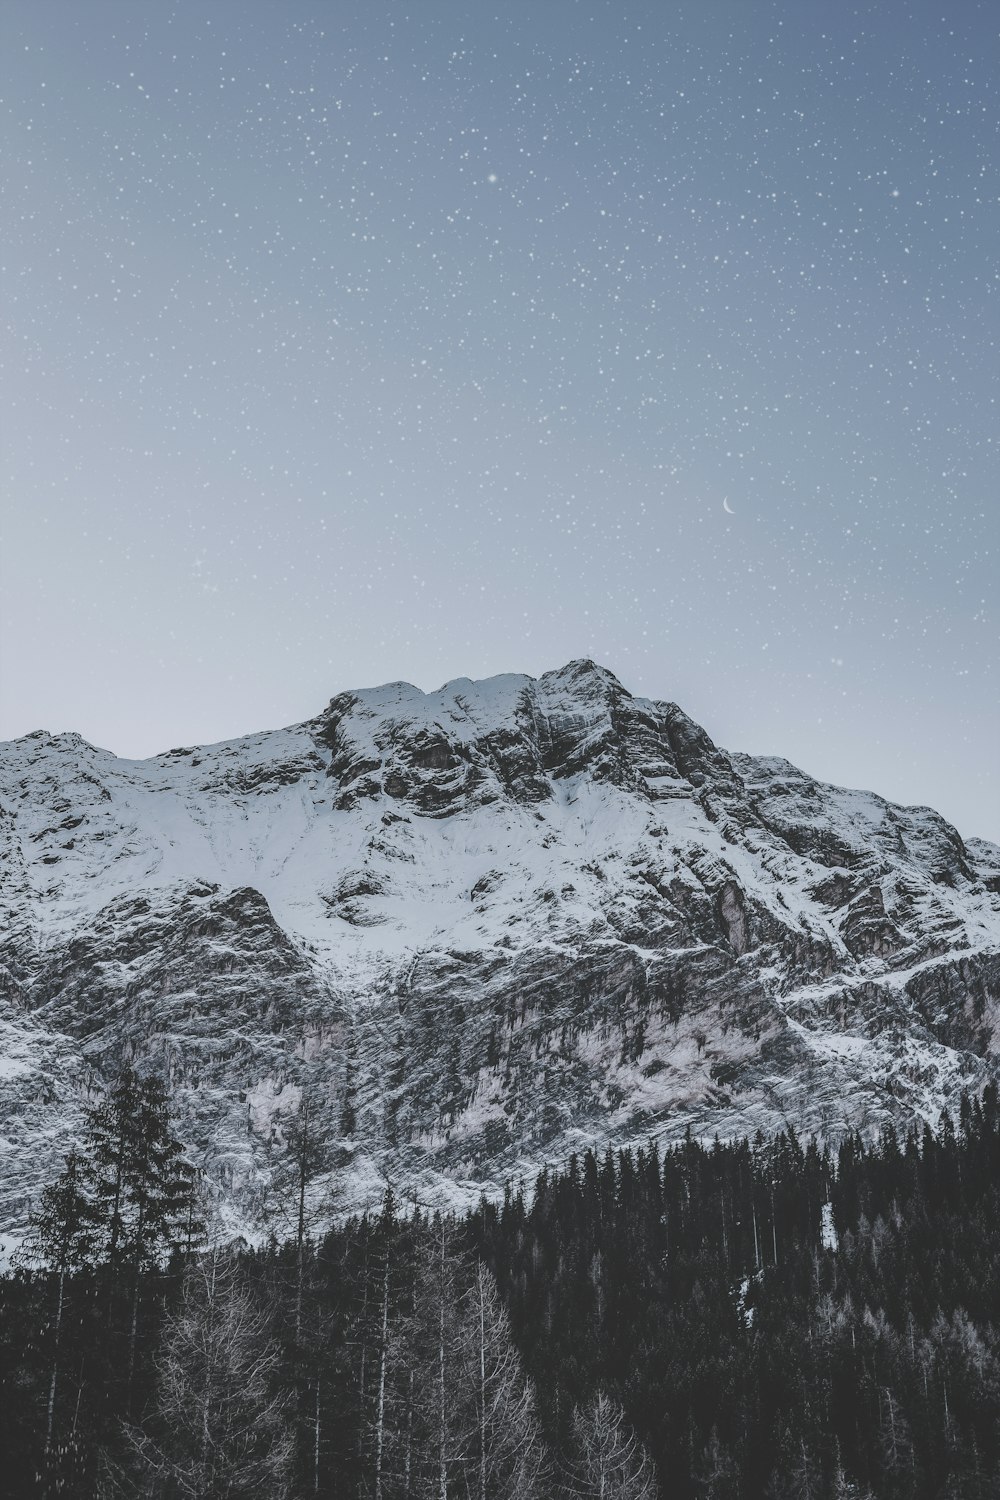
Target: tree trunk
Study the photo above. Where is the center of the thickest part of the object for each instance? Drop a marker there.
(442, 1403)
(140, 1229)
(480, 1289)
(316, 1444)
(301, 1228)
(408, 1461)
(383, 1358)
(55, 1362)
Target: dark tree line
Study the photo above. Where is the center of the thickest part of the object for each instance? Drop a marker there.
(764, 1320)
(776, 1320)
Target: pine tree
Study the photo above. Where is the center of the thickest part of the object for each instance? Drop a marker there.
(717, 1476)
(309, 1135)
(140, 1186)
(61, 1239)
(122, 1202)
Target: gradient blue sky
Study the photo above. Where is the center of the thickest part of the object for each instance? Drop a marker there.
(347, 342)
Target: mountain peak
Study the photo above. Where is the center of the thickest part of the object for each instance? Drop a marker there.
(491, 923)
(584, 674)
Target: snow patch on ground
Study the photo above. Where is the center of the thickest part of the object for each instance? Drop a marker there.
(828, 1237)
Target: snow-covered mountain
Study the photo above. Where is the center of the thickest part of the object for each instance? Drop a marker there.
(492, 924)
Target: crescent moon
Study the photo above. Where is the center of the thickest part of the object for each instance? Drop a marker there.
(727, 507)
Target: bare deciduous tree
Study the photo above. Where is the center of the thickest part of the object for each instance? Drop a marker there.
(219, 1430)
(507, 1447)
(452, 1416)
(435, 1352)
(610, 1463)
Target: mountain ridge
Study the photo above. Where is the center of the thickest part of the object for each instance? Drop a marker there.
(490, 924)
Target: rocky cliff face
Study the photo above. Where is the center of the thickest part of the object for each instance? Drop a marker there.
(490, 925)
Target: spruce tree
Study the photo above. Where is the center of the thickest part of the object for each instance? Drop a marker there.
(141, 1186)
(62, 1239)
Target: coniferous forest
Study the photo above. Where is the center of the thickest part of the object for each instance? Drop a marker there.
(765, 1319)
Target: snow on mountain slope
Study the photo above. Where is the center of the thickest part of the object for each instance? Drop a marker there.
(491, 924)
